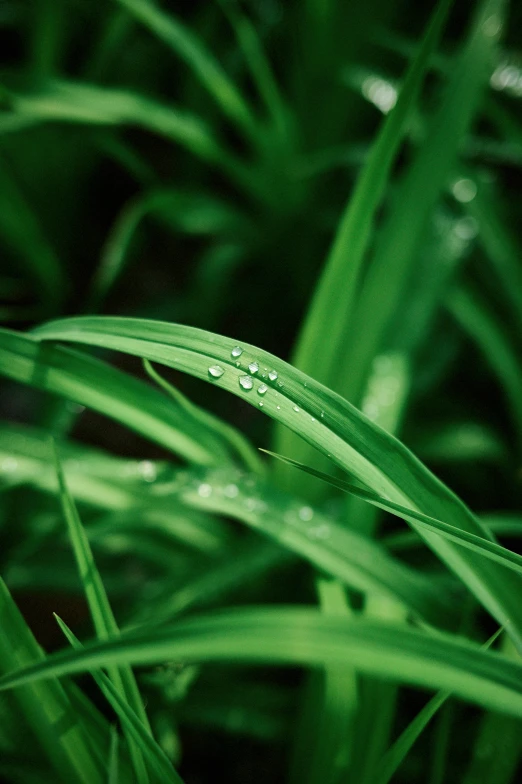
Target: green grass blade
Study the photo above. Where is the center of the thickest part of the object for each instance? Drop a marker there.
(95, 384)
(326, 421)
(482, 545)
(325, 329)
(76, 102)
(112, 767)
(171, 507)
(305, 637)
(473, 315)
(260, 68)
(101, 614)
(21, 230)
(397, 753)
(225, 433)
(45, 707)
(424, 183)
(130, 720)
(202, 63)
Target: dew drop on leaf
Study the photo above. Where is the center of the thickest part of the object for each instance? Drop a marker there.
(236, 351)
(272, 375)
(253, 367)
(246, 382)
(216, 371)
(262, 389)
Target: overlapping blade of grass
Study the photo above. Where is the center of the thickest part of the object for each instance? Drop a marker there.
(323, 419)
(479, 544)
(474, 316)
(131, 721)
(190, 212)
(77, 102)
(223, 430)
(291, 636)
(112, 766)
(119, 487)
(102, 616)
(498, 744)
(62, 737)
(425, 181)
(329, 752)
(324, 333)
(397, 753)
(99, 386)
(258, 64)
(175, 505)
(203, 64)
(22, 231)
(499, 243)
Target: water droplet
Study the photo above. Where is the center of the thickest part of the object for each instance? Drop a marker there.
(305, 384)
(278, 408)
(262, 389)
(204, 490)
(253, 367)
(216, 371)
(231, 491)
(9, 464)
(322, 414)
(147, 470)
(236, 351)
(238, 364)
(464, 190)
(296, 409)
(272, 375)
(313, 419)
(306, 513)
(280, 384)
(246, 382)
(260, 402)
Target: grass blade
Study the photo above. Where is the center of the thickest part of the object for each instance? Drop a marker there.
(425, 181)
(95, 384)
(305, 637)
(401, 747)
(477, 544)
(326, 421)
(325, 328)
(45, 707)
(102, 615)
(131, 721)
(186, 45)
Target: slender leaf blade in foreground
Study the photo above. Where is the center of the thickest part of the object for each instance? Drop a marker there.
(322, 418)
(290, 636)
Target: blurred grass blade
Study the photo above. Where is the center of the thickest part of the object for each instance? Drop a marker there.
(289, 636)
(112, 767)
(65, 740)
(500, 245)
(425, 181)
(130, 720)
(76, 102)
(473, 315)
(325, 327)
(224, 432)
(102, 615)
(260, 68)
(105, 389)
(397, 753)
(184, 211)
(202, 63)
(323, 419)
(482, 545)
(174, 507)
(21, 230)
